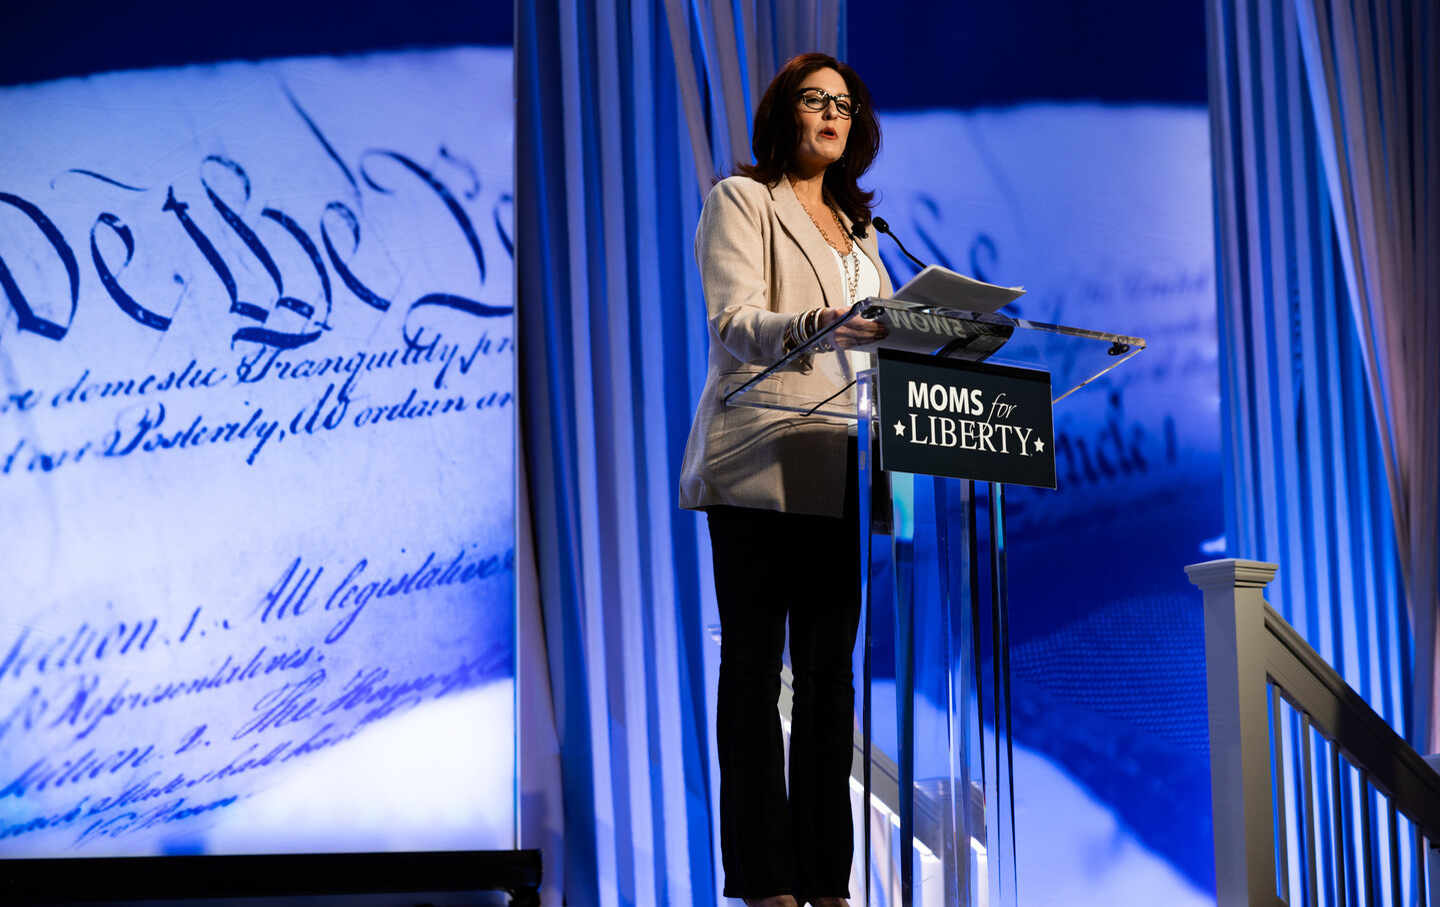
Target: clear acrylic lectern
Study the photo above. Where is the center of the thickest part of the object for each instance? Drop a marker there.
(933, 757)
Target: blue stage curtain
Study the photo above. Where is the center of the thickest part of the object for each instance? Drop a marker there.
(1374, 79)
(1316, 474)
(626, 112)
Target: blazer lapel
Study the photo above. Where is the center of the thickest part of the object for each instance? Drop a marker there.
(797, 223)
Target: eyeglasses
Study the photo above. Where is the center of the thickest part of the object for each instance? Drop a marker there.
(817, 99)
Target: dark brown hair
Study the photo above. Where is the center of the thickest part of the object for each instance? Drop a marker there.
(777, 135)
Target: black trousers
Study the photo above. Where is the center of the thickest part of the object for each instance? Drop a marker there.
(772, 566)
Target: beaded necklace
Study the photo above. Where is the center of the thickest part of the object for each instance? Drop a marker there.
(849, 263)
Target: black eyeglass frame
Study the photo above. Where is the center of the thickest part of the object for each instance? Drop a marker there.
(806, 95)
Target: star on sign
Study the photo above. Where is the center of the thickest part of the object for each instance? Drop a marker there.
(900, 428)
(1039, 446)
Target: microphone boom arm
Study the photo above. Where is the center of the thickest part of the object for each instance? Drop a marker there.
(884, 227)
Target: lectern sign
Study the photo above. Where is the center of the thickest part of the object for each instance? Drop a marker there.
(969, 420)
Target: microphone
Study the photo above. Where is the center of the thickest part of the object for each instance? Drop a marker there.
(884, 227)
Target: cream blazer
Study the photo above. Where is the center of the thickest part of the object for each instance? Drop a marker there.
(762, 261)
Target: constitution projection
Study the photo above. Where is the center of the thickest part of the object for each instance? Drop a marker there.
(257, 424)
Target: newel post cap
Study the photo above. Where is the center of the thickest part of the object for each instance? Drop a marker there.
(1231, 573)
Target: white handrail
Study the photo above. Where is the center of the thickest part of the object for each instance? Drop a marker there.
(1359, 809)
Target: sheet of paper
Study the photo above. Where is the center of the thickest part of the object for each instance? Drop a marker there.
(941, 286)
(256, 458)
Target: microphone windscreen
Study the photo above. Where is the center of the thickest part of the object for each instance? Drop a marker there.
(880, 224)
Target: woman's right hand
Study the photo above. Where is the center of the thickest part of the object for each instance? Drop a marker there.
(855, 332)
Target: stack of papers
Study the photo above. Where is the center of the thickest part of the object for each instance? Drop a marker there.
(943, 287)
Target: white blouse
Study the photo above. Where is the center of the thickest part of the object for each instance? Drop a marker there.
(868, 283)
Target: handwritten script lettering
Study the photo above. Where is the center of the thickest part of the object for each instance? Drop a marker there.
(256, 456)
(267, 709)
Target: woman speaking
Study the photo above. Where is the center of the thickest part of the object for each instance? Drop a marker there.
(784, 251)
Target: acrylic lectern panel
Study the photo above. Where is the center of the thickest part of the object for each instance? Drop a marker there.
(935, 766)
(1072, 356)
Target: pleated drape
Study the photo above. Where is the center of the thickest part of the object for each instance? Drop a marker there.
(1307, 468)
(627, 111)
(735, 50)
(1374, 82)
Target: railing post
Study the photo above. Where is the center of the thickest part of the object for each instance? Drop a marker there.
(1240, 793)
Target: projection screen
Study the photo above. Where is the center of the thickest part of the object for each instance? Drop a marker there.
(256, 458)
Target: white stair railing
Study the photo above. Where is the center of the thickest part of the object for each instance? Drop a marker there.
(1316, 800)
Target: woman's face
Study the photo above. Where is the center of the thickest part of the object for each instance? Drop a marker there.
(823, 132)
